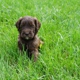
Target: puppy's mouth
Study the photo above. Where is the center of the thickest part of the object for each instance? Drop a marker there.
(27, 38)
(27, 35)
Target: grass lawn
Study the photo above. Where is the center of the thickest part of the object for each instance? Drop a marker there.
(60, 30)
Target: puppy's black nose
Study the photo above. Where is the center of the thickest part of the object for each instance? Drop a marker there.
(26, 34)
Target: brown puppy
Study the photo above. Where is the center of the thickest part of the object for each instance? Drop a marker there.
(28, 40)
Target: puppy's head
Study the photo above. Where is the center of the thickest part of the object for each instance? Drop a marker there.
(28, 27)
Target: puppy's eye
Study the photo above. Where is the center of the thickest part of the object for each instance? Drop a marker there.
(32, 26)
(22, 25)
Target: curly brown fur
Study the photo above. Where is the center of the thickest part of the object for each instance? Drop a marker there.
(28, 40)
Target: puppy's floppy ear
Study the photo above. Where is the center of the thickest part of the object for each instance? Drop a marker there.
(18, 23)
(37, 25)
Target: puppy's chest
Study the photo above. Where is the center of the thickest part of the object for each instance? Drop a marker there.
(30, 45)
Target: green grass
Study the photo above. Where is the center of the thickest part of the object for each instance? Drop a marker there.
(60, 31)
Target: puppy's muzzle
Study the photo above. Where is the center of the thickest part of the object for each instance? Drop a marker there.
(27, 34)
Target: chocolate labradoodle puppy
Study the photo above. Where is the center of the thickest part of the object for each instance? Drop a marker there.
(28, 40)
